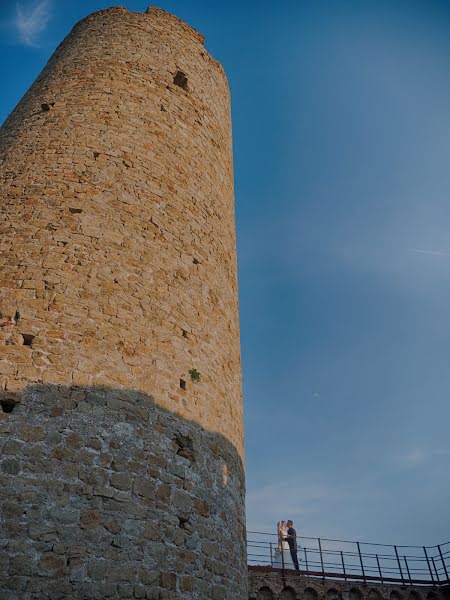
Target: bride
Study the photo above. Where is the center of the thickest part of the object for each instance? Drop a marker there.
(282, 558)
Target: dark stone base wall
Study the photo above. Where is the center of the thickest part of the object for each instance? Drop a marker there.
(104, 495)
(266, 585)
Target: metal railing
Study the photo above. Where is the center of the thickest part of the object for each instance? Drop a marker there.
(360, 561)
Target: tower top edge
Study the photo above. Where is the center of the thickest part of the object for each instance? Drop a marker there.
(158, 15)
(159, 12)
(152, 11)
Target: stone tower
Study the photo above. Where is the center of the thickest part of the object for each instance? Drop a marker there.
(121, 466)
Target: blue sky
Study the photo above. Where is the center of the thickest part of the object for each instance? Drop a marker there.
(341, 116)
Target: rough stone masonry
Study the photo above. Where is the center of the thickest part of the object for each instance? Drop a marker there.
(121, 465)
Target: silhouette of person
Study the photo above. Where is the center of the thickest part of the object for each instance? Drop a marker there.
(292, 541)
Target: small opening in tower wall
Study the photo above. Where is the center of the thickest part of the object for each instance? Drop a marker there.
(184, 522)
(185, 447)
(181, 80)
(75, 211)
(182, 384)
(28, 339)
(8, 405)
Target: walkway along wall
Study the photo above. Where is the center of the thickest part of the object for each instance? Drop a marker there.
(121, 469)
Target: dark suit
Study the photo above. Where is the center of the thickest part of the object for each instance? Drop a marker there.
(292, 541)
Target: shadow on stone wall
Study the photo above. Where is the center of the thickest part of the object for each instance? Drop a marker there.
(105, 495)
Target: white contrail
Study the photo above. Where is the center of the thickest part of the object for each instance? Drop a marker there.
(32, 20)
(430, 252)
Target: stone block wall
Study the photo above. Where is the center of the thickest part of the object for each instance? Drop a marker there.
(118, 257)
(121, 438)
(104, 495)
(265, 585)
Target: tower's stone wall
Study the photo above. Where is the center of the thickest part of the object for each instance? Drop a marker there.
(121, 464)
(104, 495)
(117, 221)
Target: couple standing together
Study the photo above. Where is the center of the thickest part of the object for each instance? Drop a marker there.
(286, 553)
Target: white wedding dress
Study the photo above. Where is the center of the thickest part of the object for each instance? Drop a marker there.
(282, 558)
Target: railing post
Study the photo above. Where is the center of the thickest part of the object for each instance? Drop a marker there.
(379, 568)
(271, 554)
(343, 565)
(282, 554)
(321, 558)
(361, 562)
(428, 563)
(443, 563)
(399, 564)
(407, 570)
(435, 570)
(306, 559)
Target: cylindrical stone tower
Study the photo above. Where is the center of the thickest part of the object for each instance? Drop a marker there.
(121, 470)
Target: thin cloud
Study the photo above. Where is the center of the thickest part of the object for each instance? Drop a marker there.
(287, 499)
(414, 457)
(31, 20)
(429, 252)
(419, 456)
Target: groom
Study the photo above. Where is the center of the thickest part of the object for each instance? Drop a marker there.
(292, 541)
